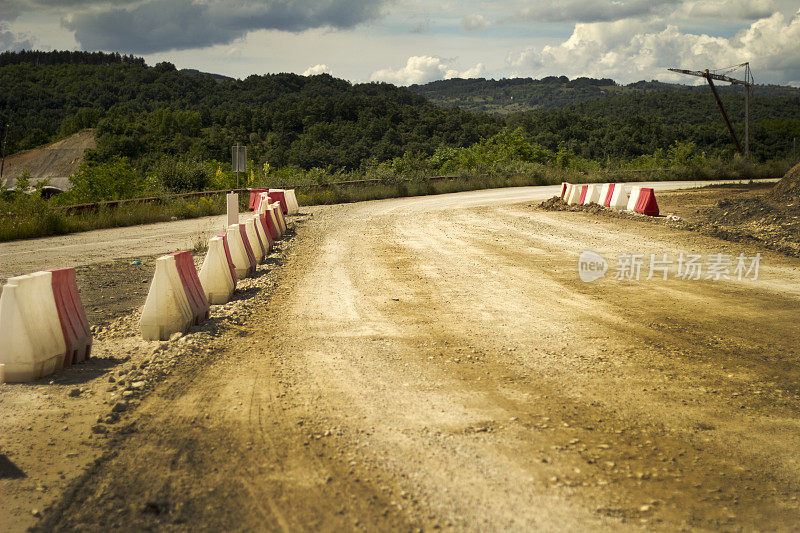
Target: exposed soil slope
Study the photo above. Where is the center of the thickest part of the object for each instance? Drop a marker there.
(57, 161)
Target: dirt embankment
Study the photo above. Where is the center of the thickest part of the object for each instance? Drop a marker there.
(750, 213)
(56, 161)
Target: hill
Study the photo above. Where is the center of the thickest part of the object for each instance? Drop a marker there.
(514, 95)
(55, 162)
(146, 113)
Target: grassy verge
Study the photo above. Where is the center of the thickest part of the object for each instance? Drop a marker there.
(34, 217)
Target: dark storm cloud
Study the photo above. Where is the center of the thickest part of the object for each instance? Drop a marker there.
(592, 10)
(13, 41)
(160, 25)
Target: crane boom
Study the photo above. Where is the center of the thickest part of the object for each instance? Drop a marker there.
(748, 87)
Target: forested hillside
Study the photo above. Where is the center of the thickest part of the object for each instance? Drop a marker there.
(144, 113)
(514, 95)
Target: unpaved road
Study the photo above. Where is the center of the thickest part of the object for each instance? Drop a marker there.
(436, 363)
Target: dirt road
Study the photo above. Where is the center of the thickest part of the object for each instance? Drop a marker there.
(437, 363)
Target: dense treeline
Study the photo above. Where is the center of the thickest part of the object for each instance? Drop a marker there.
(514, 95)
(58, 57)
(628, 126)
(146, 113)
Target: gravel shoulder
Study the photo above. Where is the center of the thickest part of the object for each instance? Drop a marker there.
(437, 363)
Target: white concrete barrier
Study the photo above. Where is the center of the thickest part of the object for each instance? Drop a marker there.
(291, 202)
(254, 240)
(276, 209)
(592, 194)
(167, 309)
(272, 222)
(601, 199)
(574, 195)
(619, 198)
(633, 198)
(218, 275)
(32, 343)
(241, 259)
(262, 228)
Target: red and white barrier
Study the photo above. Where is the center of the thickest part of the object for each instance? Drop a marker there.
(254, 240)
(263, 232)
(272, 224)
(574, 197)
(218, 275)
(291, 202)
(279, 196)
(43, 325)
(619, 198)
(606, 190)
(592, 194)
(244, 266)
(167, 309)
(72, 315)
(564, 189)
(633, 199)
(646, 203)
(279, 217)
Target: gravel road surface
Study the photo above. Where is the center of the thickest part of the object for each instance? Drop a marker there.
(434, 363)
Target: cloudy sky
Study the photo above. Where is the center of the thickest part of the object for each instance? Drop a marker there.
(415, 41)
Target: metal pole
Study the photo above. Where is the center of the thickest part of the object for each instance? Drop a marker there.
(3, 160)
(747, 114)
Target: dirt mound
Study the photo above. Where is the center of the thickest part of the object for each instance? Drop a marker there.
(788, 189)
(56, 161)
(557, 204)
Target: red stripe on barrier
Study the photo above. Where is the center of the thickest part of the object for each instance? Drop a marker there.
(71, 315)
(254, 197)
(646, 204)
(262, 219)
(274, 231)
(264, 250)
(563, 190)
(609, 195)
(191, 285)
(280, 197)
(247, 248)
(584, 188)
(228, 256)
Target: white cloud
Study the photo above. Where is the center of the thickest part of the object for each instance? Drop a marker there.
(631, 50)
(475, 22)
(424, 69)
(317, 69)
(726, 9)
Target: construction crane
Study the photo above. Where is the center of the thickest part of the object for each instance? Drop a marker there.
(721, 75)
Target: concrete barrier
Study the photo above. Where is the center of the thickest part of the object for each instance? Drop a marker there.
(592, 194)
(242, 265)
(255, 241)
(272, 224)
(584, 189)
(191, 285)
(646, 204)
(280, 218)
(261, 202)
(633, 198)
(605, 194)
(32, 343)
(574, 195)
(218, 275)
(263, 232)
(291, 202)
(279, 195)
(255, 195)
(72, 315)
(619, 198)
(564, 189)
(167, 309)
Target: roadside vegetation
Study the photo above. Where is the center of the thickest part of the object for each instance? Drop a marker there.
(162, 132)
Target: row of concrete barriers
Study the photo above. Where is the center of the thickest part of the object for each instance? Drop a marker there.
(43, 324)
(641, 200)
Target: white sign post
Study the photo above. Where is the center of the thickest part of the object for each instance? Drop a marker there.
(239, 159)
